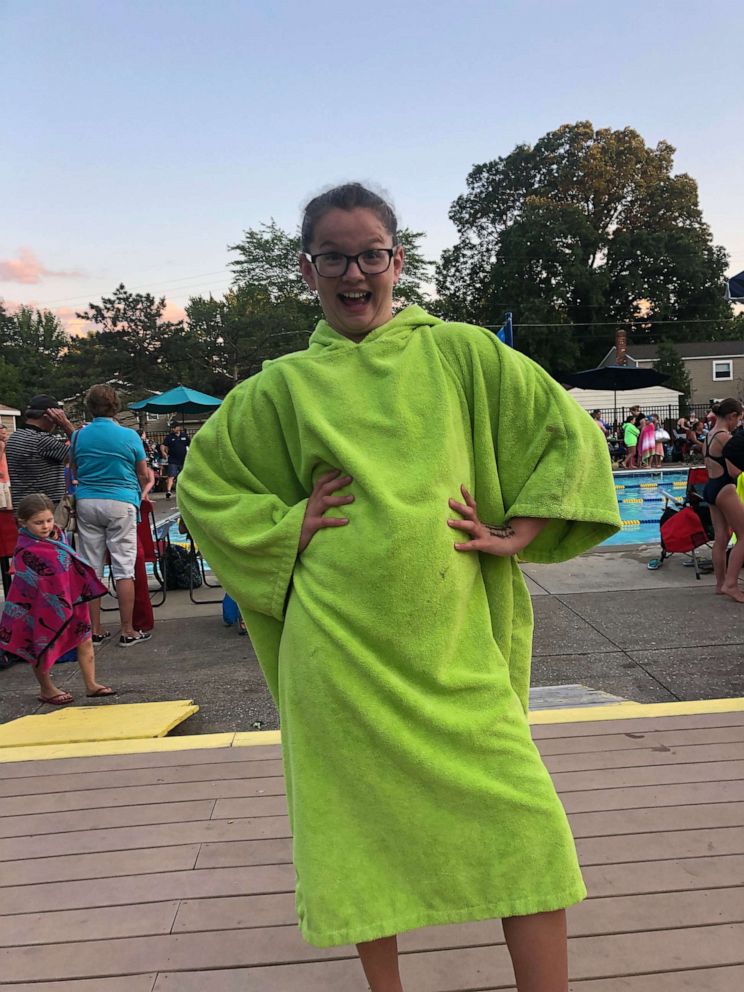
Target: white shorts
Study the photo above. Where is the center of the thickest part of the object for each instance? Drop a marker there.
(108, 524)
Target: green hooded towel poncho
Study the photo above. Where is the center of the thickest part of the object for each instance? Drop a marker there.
(399, 665)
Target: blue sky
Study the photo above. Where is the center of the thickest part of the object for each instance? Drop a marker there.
(141, 138)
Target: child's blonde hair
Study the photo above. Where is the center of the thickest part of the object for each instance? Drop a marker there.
(31, 505)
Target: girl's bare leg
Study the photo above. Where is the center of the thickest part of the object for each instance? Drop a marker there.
(722, 534)
(47, 687)
(538, 946)
(87, 661)
(95, 616)
(380, 962)
(731, 506)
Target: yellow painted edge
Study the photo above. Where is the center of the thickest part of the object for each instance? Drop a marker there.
(611, 711)
(95, 749)
(636, 711)
(253, 738)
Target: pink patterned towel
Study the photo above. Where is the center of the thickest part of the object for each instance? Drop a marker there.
(46, 613)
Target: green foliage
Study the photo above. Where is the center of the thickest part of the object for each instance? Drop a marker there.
(268, 258)
(417, 271)
(585, 227)
(235, 335)
(12, 392)
(32, 345)
(130, 341)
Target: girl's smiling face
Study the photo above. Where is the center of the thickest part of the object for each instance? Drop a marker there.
(353, 304)
(41, 524)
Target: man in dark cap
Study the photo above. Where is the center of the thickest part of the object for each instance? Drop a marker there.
(174, 446)
(36, 457)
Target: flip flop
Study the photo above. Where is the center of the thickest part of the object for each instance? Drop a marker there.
(61, 699)
(103, 691)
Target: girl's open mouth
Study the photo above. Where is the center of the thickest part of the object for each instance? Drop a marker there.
(355, 301)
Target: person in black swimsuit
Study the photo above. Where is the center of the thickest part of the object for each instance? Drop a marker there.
(726, 509)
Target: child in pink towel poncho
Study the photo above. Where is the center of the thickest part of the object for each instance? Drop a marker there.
(46, 613)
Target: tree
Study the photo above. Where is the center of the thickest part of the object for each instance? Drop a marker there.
(669, 361)
(11, 391)
(85, 361)
(267, 257)
(234, 335)
(131, 338)
(32, 343)
(583, 228)
(417, 271)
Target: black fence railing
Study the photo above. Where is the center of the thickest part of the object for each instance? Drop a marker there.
(668, 413)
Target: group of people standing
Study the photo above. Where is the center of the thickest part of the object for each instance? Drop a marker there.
(53, 603)
(645, 438)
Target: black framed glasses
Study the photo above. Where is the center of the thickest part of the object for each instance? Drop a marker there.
(332, 264)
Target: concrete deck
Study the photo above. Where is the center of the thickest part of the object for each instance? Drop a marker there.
(159, 871)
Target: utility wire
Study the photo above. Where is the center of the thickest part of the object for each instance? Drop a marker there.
(639, 323)
(143, 286)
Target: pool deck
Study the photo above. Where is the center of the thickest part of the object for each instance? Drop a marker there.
(166, 870)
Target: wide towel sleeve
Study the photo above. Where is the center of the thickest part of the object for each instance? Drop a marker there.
(242, 502)
(548, 459)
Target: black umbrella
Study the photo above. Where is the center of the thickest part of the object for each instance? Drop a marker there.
(615, 377)
(735, 288)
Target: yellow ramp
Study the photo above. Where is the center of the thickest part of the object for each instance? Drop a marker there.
(77, 724)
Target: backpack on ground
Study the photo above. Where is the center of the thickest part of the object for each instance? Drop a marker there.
(181, 571)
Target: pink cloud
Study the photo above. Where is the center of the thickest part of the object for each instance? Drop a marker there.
(27, 269)
(173, 312)
(71, 323)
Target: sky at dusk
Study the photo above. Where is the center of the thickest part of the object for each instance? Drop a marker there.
(140, 139)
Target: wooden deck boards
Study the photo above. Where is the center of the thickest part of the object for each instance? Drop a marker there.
(169, 872)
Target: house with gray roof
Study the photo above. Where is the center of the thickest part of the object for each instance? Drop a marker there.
(716, 368)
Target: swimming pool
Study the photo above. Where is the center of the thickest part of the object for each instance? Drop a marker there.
(641, 503)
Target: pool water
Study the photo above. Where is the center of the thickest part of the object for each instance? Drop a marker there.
(641, 503)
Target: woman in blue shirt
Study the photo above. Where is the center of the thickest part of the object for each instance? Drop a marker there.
(110, 466)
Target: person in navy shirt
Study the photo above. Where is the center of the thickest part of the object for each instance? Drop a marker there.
(174, 446)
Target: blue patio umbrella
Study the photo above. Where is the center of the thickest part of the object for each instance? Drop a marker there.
(735, 288)
(178, 400)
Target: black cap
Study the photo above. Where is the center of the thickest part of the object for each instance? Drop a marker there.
(43, 402)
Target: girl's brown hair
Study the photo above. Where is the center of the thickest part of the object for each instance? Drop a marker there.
(347, 197)
(725, 407)
(31, 505)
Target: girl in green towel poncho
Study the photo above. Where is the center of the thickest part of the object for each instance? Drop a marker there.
(364, 501)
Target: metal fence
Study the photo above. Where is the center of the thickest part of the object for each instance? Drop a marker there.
(668, 414)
